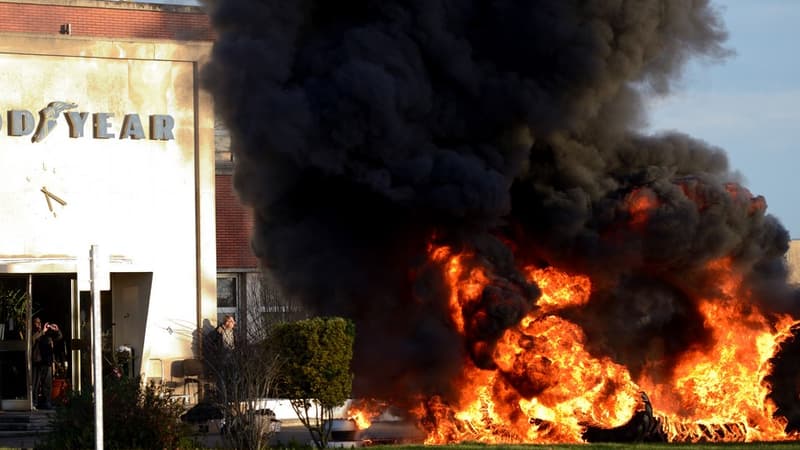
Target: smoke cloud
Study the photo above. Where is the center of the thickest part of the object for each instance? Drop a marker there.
(366, 131)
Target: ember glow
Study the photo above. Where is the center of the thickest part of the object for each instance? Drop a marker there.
(641, 201)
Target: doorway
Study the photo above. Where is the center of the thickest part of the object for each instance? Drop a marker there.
(50, 298)
(13, 341)
(51, 302)
(55, 298)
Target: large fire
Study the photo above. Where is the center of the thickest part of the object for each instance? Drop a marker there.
(470, 182)
(547, 387)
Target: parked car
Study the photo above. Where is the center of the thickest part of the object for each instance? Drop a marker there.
(266, 417)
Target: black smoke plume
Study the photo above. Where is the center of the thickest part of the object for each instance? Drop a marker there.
(366, 131)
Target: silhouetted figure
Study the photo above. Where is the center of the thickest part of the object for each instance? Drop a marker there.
(42, 359)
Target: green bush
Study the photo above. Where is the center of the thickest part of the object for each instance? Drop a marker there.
(315, 369)
(134, 416)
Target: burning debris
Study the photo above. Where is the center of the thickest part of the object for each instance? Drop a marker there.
(467, 182)
(643, 427)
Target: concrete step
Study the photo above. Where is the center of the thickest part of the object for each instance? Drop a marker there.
(14, 423)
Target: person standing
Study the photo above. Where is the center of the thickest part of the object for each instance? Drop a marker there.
(227, 340)
(221, 360)
(42, 355)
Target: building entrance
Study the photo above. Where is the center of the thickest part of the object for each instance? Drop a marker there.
(52, 297)
(51, 300)
(14, 374)
(55, 298)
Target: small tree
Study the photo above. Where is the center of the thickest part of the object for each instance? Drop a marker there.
(244, 379)
(316, 374)
(244, 376)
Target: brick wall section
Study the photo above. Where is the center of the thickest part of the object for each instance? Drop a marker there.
(143, 23)
(234, 226)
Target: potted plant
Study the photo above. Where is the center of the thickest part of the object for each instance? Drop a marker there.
(13, 308)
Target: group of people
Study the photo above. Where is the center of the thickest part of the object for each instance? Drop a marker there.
(44, 338)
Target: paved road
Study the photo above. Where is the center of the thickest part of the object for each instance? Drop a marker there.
(379, 432)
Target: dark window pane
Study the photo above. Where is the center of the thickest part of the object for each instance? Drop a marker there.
(226, 292)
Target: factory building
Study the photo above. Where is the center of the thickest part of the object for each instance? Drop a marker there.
(108, 184)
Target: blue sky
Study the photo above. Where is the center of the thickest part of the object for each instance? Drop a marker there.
(749, 105)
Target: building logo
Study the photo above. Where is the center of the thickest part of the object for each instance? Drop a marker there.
(47, 118)
(21, 122)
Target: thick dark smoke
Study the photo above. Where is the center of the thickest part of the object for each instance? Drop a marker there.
(364, 131)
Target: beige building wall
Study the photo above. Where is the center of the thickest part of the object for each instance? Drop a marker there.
(793, 258)
(147, 203)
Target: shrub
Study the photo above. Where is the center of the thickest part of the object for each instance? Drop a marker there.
(315, 374)
(134, 416)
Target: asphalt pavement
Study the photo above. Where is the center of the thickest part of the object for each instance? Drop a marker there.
(389, 432)
(294, 433)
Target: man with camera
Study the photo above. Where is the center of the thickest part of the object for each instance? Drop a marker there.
(42, 355)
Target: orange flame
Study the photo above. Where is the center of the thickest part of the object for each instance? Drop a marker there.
(559, 289)
(360, 417)
(364, 411)
(723, 385)
(559, 388)
(466, 283)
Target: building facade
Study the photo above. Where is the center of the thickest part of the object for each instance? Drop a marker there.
(793, 260)
(107, 147)
(238, 274)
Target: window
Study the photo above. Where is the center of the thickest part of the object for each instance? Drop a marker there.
(227, 297)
